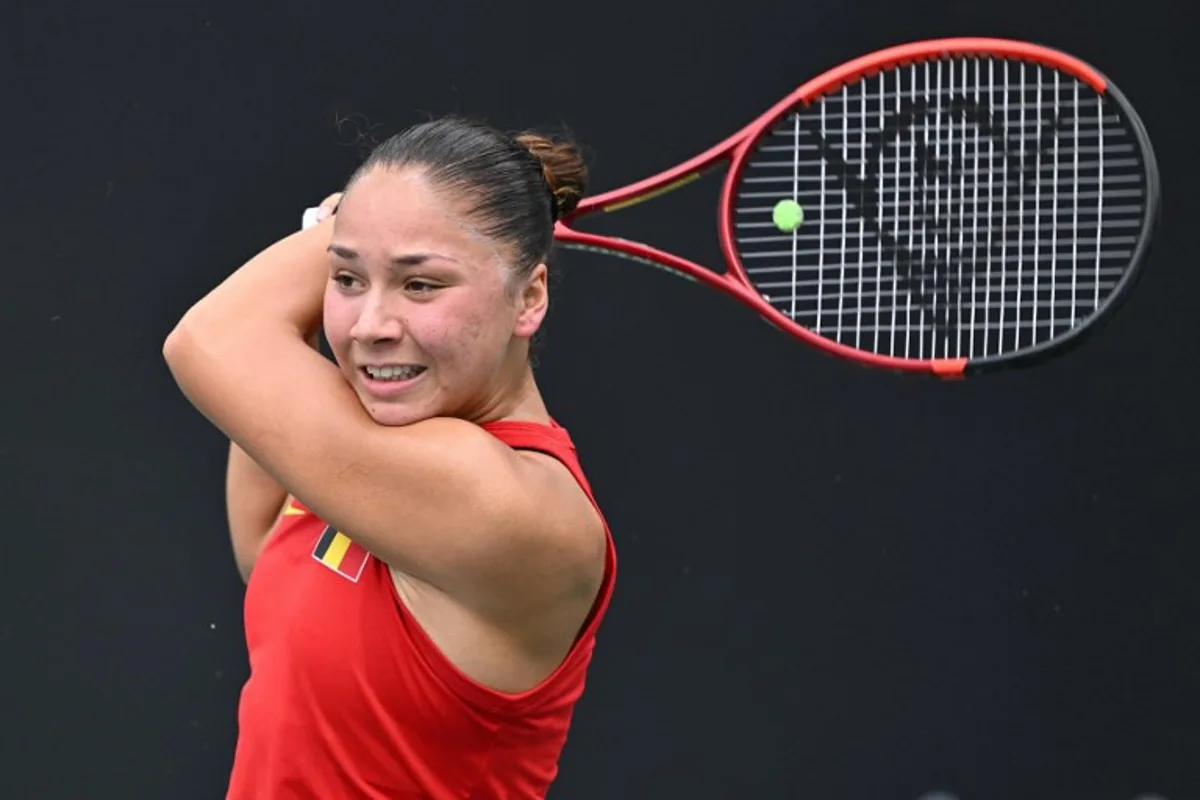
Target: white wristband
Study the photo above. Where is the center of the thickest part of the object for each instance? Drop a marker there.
(312, 216)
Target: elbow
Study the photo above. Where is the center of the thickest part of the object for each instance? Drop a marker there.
(176, 345)
(181, 351)
(191, 367)
(172, 345)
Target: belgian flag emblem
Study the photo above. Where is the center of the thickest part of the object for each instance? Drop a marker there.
(335, 550)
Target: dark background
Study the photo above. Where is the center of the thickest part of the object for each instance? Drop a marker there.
(835, 583)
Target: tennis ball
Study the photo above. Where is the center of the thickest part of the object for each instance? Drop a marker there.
(788, 215)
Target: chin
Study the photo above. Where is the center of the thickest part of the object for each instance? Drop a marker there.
(394, 414)
(396, 411)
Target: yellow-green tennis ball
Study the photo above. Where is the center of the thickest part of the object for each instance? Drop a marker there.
(788, 215)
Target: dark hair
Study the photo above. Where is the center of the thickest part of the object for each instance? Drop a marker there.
(516, 186)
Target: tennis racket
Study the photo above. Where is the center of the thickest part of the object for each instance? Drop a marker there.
(951, 207)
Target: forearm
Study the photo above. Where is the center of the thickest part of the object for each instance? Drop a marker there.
(279, 290)
(247, 323)
(276, 295)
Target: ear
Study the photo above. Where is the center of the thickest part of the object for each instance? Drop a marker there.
(532, 302)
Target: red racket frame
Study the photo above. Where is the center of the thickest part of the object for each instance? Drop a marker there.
(737, 148)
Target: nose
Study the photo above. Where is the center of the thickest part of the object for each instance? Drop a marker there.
(375, 324)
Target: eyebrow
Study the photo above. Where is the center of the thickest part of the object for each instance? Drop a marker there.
(403, 260)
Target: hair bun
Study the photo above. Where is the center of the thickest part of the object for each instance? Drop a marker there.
(563, 168)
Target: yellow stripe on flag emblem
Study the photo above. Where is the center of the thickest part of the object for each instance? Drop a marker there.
(337, 550)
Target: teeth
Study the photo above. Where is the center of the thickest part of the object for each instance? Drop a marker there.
(394, 373)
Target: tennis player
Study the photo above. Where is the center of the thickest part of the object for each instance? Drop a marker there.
(426, 564)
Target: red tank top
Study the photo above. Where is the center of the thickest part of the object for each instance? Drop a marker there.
(349, 698)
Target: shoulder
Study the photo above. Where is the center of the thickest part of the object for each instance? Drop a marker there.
(538, 530)
(552, 502)
(522, 481)
(549, 539)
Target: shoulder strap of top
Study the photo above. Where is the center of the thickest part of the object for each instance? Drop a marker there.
(551, 439)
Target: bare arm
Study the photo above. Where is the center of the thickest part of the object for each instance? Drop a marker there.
(253, 503)
(254, 500)
(441, 499)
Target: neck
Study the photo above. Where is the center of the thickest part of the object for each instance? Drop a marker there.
(518, 400)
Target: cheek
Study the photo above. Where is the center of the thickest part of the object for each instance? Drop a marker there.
(474, 329)
(338, 317)
(463, 335)
(446, 335)
(486, 327)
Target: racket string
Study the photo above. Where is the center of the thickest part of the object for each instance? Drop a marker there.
(961, 207)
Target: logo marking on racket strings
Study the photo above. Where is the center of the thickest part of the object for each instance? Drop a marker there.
(861, 192)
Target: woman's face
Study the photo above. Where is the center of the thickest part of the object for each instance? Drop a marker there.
(417, 311)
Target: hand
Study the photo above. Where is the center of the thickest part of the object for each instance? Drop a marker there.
(330, 204)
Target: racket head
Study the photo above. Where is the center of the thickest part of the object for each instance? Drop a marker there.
(969, 205)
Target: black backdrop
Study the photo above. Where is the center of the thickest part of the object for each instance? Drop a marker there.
(835, 583)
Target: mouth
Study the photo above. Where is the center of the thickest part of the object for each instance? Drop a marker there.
(391, 378)
(395, 372)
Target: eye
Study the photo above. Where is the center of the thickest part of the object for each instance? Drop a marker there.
(345, 282)
(418, 286)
